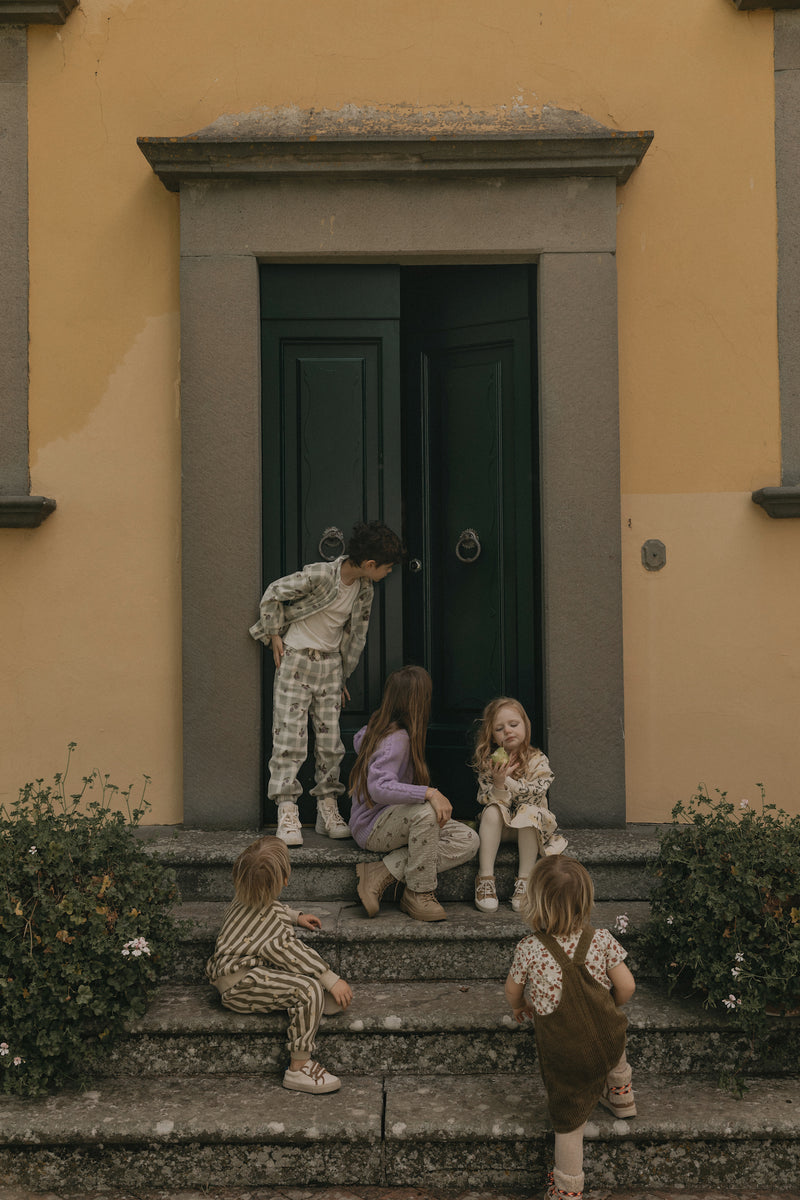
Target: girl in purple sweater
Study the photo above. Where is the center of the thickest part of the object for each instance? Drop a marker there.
(396, 812)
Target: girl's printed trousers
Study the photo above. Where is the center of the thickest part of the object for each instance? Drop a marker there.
(416, 849)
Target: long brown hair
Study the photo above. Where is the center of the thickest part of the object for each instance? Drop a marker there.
(406, 704)
(485, 744)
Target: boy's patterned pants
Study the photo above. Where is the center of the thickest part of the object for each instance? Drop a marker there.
(264, 990)
(306, 686)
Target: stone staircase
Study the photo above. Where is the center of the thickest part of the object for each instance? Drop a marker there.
(440, 1087)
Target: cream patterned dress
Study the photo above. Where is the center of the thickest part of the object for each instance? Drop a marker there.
(523, 802)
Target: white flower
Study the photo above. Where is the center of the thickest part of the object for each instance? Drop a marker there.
(621, 923)
(736, 972)
(732, 1002)
(18, 1061)
(744, 804)
(670, 920)
(33, 850)
(739, 956)
(3, 1049)
(136, 947)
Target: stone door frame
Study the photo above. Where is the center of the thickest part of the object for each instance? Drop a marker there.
(410, 189)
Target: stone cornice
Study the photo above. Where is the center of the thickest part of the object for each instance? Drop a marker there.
(35, 12)
(752, 5)
(24, 512)
(779, 501)
(358, 143)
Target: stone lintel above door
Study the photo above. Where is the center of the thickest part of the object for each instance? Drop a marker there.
(370, 143)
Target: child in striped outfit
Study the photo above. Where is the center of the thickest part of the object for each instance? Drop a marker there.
(259, 964)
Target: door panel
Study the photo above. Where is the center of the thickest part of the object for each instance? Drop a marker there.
(335, 451)
(471, 431)
(331, 433)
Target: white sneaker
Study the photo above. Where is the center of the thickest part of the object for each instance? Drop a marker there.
(330, 821)
(289, 830)
(311, 1078)
(518, 897)
(556, 845)
(485, 894)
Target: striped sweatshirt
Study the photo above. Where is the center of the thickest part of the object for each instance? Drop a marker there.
(263, 937)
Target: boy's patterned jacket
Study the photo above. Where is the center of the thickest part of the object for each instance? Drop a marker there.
(295, 597)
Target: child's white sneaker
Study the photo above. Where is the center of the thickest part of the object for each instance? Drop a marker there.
(311, 1077)
(485, 894)
(289, 830)
(620, 1101)
(556, 845)
(562, 1187)
(330, 821)
(518, 897)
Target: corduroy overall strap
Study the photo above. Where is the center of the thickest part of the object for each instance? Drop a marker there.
(562, 958)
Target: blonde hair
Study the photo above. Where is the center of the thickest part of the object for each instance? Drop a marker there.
(485, 743)
(406, 704)
(261, 871)
(559, 896)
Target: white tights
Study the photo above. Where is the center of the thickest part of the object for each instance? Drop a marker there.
(569, 1146)
(494, 830)
(569, 1151)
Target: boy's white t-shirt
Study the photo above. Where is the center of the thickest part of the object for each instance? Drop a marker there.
(323, 629)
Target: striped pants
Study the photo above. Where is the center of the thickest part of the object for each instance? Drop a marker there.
(264, 991)
(306, 687)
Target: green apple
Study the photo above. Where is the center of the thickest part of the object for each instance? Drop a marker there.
(500, 757)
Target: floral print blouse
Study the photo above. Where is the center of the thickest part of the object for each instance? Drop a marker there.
(534, 965)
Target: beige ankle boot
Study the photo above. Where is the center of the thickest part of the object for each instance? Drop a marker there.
(373, 880)
(422, 906)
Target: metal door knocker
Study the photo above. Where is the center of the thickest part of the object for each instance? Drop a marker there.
(331, 534)
(469, 542)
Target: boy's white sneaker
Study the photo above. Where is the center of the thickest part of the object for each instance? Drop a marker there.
(330, 821)
(311, 1077)
(485, 894)
(289, 830)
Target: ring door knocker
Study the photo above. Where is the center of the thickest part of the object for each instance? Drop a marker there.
(331, 534)
(468, 546)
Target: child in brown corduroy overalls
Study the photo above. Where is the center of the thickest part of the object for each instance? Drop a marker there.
(577, 978)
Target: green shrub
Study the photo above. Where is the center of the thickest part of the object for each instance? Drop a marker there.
(725, 913)
(85, 929)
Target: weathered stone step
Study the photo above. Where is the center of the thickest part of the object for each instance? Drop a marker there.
(325, 869)
(468, 945)
(460, 1132)
(433, 1028)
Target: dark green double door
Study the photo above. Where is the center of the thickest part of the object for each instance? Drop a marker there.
(406, 394)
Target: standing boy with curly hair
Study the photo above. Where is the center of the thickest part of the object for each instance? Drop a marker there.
(315, 622)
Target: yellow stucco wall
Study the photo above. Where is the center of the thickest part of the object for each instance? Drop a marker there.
(91, 600)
